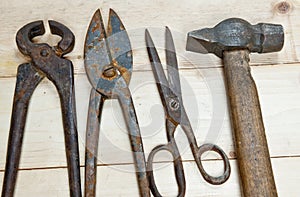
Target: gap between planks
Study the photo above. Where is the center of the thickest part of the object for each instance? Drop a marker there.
(180, 68)
(154, 162)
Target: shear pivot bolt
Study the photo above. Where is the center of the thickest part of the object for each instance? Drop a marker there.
(109, 72)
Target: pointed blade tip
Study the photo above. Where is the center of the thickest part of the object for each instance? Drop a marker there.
(97, 19)
(95, 23)
(167, 29)
(112, 12)
(170, 46)
(149, 41)
(96, 15)
(147, 34)
(168, 34)
(114, 18)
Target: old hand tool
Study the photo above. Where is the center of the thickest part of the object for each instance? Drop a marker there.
(175, 114)
(108, 64)
(233, 39)
(47, 62)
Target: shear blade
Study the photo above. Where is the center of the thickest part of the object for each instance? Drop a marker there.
(96, 53)
(158, 72)
(119, 45)
(172, 65)
(157, 68)
(107, 48)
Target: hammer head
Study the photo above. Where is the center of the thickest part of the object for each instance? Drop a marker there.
(236, 34)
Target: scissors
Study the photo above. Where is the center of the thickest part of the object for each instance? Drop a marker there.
(46, 62)
(108, 64)
(175, 115)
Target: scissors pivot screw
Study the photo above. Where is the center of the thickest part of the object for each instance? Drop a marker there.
(174, 104)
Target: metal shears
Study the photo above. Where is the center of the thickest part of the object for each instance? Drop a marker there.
(175, 114)
(49, 62)
(108, 64)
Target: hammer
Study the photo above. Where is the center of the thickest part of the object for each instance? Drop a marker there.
(232, 40)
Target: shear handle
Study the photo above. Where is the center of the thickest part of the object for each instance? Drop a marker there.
(124, 97)
(92, 140)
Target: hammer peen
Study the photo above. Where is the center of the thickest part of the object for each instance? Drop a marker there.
(232, 40)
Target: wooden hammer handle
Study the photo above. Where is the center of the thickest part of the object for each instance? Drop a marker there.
(249, 133)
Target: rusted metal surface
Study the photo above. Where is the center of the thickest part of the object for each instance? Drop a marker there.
(108, 64)
(235, 34)
(175, 114)
(47, 62)
(233, 40)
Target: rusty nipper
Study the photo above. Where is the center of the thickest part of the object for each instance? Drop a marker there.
(47, 62)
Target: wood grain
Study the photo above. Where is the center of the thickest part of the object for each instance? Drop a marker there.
(180, 16)
(277, 77)
(113, 181)
(44, 144)
(249, 136)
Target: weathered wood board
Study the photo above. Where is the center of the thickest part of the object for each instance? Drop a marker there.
(277, 75)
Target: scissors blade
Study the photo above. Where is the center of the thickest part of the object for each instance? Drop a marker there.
(96, 53)
(119, 45)
(172, 65)
(159, 75)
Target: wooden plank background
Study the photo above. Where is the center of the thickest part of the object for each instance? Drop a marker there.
(277, 75)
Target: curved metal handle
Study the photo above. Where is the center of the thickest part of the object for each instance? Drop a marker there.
(124, 97)
(92, 140)
(171, 147)
(65, 87)
(212, 179)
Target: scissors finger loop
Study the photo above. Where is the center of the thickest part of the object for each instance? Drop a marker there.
(178, 167)
(212, 179)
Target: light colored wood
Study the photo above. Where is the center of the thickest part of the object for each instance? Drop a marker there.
(180, 16)
(277, 76)
(120, 181)
(249, 136)
(44, 146)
